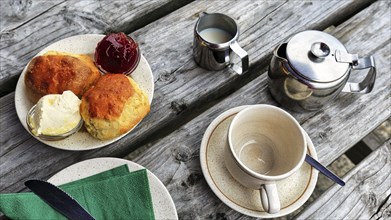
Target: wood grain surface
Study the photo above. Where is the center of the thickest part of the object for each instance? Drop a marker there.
(175, 158)
(366, 195)
(181, 88)
(187, 98)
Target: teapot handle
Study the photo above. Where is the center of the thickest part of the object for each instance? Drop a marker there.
(367, 84)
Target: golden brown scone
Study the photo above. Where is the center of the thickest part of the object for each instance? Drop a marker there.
(56, 72)
(113, 106)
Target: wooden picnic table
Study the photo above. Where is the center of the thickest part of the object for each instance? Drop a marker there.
(188, 98)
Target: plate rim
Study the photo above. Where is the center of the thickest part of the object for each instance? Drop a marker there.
(204, 167)
(134, 167)
(20, 90)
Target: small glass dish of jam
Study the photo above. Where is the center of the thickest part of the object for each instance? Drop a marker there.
(117, 53)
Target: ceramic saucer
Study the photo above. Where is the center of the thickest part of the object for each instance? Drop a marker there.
(293, 191)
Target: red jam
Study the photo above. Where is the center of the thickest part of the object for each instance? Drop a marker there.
(117, 53)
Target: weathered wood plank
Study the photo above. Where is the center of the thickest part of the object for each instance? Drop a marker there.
(175, 158)
(16, 13)
(380, 135)
(181, 87)
(58, 20)
(366, 195)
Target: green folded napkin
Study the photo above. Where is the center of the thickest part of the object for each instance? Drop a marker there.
(113, 194)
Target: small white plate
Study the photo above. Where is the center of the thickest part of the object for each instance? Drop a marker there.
(80, 44)
(293, 191)
(163, 205)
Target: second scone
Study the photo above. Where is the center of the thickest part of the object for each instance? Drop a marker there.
(113, 106)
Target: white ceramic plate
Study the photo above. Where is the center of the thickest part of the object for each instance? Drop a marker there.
(163, 205)
(293, 191)
(80, 44)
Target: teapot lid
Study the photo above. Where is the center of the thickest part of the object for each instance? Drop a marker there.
(312, 54)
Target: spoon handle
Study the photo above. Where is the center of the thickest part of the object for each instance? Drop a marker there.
(323, 170)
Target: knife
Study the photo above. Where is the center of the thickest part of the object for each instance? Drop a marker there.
(58, 199)
(324, 170)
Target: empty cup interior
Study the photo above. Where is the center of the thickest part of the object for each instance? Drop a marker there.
(267, 141)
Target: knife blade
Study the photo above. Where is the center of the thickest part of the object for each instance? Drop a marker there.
(324, 170)
(58, 199)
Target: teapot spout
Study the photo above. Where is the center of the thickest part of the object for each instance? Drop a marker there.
(201, 14)
(279, 61)
(280, 52)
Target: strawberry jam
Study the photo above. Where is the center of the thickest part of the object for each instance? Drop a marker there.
(117, 53)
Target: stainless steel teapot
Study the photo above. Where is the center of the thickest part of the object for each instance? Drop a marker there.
(312, 68)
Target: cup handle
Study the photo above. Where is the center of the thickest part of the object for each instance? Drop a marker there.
(367, 84)
(269, 198)
(243, 56)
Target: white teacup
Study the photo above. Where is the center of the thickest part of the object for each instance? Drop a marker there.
(266, 144)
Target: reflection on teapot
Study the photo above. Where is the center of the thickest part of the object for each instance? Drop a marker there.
(312, 68)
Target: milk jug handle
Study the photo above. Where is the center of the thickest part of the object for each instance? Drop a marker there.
(367, 84)
(243, 56)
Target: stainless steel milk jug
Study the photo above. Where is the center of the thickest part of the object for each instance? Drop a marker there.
(213, 51)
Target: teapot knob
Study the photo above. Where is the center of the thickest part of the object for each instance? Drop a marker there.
(320, 49)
